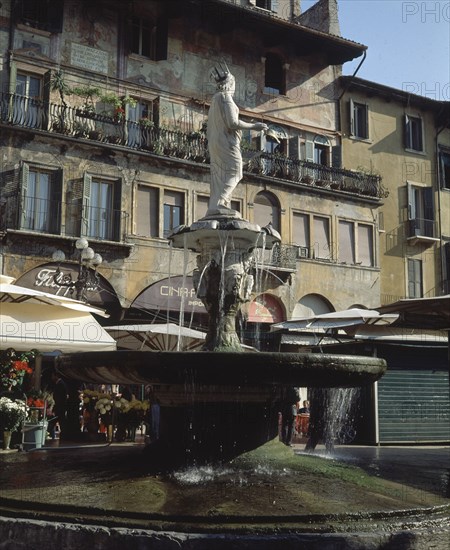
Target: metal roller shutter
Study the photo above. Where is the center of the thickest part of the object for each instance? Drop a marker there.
(413, 405)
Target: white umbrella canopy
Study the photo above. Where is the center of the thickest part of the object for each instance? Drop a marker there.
(157, 337)
(19, 294)
(31, 319)
(338, 319)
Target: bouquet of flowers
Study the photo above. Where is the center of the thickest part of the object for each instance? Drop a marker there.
(12, 413)
(37, 401)
(13, 368)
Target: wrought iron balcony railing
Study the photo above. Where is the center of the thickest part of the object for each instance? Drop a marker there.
(420, 227)
(144, 136)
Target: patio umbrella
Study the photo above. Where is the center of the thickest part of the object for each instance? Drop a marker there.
(31, 319)
(156, 337)
(338, 319)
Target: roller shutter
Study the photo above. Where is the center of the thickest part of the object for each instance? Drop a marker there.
(413, 400)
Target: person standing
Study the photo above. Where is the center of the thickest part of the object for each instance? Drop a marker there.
(290, 403)
(60, 397)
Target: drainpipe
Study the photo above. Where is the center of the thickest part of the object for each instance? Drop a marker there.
(345, 90)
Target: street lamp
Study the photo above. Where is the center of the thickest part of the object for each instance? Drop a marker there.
(86, 280)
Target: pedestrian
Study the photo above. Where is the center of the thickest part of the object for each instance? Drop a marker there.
(60, 397)
(289, 406)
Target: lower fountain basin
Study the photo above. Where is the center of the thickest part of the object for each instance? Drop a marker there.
(215, 406)
(228, 368)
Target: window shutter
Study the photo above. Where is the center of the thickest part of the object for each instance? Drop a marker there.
(408, 144)
(294, 147)
(117, 213)
(309, 151)
(366, 115)
(86, 203)
(336, 156)
(56, 190)
(23, 179)
(12, 89)
(352, 118)
(411, 202)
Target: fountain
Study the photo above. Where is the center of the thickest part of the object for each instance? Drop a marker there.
(217, 477)
(220, 403)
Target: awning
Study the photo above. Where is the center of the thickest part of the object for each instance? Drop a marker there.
(338, 319)
(157, 337)
(45, 327)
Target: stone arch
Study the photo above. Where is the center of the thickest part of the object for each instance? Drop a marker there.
(312, 304)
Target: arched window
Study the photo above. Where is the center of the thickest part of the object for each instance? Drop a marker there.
(267, 210)
(275, 80)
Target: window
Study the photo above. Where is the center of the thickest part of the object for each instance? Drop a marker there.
(267, 210)
(26, 101)
(445, 168)
(148, 37)
(355, 243)
(321, 151)
(140, 119)
(40, 199)
(413, 133)
(274, 82)
(173, 211)
(415, 282)
(147, 211)
(301, 233)
(265, 4)
(321, 237)
(41, 14)
(420, 211)
(359, 120)
(101, 217)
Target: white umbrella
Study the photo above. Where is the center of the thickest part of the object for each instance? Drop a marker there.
(338, 319)
(157, 337)
(31, 319)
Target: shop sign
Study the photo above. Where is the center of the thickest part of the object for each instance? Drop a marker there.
(171, 294)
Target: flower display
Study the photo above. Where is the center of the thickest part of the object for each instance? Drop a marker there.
(14, 367)
(13, 413)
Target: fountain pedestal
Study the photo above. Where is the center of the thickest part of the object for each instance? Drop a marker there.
(225, 248)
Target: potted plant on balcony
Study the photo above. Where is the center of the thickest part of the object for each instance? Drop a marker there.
(58, 84)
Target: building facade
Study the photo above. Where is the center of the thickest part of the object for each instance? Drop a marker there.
(406, 140)
(103, 114)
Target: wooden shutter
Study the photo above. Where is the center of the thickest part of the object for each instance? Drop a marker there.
(86, 203)
(23, 182)
(407, 123)
(352, 117)
(309, 151)
(12, 89)
(294, 148)
(336, 156)
(116, 214)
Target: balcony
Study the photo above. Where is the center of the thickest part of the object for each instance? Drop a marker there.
(104, 129)
(419, 230)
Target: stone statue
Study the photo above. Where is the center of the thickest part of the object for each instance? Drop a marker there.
(224, 139)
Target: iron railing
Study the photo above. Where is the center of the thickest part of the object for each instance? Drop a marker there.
(144, 136)
(420, 227)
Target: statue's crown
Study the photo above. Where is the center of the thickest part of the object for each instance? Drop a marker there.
(220, 72)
